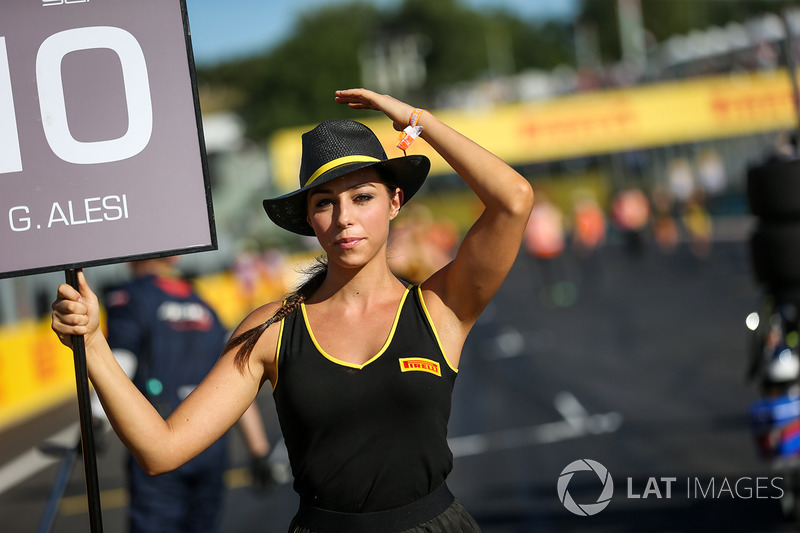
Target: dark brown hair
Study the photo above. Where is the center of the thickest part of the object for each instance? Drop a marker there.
(247, 340)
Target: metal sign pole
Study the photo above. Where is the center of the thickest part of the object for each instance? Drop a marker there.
(85, 411)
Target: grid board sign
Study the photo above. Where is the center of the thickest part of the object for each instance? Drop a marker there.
(102, 156)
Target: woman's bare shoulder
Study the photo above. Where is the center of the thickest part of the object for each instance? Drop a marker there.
(259, 316)
(264, 351)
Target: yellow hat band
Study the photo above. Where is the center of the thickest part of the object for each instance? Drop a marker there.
(330, 165)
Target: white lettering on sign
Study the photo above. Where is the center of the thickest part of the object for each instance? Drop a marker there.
(17, 220)
(71, 213)
(53, 107)
(10, 155)
(48, 3)
(108, 208)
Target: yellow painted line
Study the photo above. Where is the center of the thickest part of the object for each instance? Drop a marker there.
(117, 498)
(109, 499)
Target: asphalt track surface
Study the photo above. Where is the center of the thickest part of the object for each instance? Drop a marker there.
(635, 362)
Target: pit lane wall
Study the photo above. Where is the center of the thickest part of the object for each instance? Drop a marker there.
(36, 370)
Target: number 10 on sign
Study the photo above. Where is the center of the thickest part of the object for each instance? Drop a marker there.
(53, 106)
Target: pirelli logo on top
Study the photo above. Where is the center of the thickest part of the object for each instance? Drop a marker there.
(419, 364)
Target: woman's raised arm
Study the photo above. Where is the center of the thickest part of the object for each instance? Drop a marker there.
(468, 283)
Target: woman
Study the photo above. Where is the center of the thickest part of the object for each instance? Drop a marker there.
(362, 366)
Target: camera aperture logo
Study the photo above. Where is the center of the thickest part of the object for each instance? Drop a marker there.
(587, 509)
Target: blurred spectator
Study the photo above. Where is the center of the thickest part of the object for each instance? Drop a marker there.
(419, 245)
(665, 228)
(711, 172)
(259, 276)
(681, 179)
(631, 212)
(247, 270)
(544, 234)
(167, 339)
(588, 235)
(544, 241)
(697, 222)
(589, 223)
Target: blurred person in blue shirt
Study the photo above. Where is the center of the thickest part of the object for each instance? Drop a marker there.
(167, 338)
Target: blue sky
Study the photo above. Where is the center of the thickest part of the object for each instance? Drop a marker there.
(227, 28)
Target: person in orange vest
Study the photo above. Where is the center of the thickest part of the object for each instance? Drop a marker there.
(544, 233)
(545, 242)
(589, 232)
(588, 235)
(631, 214)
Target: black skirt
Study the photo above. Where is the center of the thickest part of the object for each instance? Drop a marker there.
(438, 512)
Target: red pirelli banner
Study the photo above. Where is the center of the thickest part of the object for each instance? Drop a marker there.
(593, 123)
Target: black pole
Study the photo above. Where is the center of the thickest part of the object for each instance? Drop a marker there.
(85, 411)
(791, 65)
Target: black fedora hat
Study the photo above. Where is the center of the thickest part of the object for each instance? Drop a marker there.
(333, 149)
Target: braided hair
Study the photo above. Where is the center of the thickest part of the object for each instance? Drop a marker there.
(247, 341)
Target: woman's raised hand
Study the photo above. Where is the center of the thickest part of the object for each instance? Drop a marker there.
(397, 111)
(75, 312)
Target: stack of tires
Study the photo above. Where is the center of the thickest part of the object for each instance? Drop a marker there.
(773, 192)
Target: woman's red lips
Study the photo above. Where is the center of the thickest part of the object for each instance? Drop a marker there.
(348, 242)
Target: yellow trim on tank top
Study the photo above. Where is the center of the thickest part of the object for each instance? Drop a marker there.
(278, 355)
(435, 333)
(334, 359)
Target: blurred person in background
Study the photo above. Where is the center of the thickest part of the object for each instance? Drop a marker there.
(259, 273)
(544, 232)
(588, 234)
(712, 175)
(362, 365)
(166, 339)
(419, 245)
(697, 222)
(630, 211)
(680, 176)
(545, 242)
(665, 228)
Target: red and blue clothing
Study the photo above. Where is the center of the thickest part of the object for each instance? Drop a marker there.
(177, 338)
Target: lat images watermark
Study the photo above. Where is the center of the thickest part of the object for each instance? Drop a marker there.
(664, 487)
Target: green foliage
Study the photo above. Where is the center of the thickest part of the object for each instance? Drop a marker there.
(293, 83)
(457, 49)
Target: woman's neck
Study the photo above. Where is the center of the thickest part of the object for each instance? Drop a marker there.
(358, 284)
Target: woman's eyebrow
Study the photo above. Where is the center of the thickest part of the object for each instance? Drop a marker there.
(319, 191)
(330, 191)
(365, 184)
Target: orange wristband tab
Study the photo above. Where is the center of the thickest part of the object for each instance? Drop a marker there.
(412, 131)
(407, 136)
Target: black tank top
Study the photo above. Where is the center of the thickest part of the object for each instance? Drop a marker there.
(364, 438)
